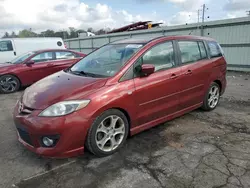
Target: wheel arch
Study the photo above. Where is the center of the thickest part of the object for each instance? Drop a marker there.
(219, 83)
(121, 109)
(127, 116)
(11, 74)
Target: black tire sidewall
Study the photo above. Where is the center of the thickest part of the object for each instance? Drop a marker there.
(14, 78)
(91, 142)
(205, 102)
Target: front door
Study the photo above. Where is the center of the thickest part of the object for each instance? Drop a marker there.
(156, 95)
(41, 68)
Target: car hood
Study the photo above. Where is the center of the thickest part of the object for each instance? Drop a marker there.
(59, 87)
(5, 65)
(5, 68)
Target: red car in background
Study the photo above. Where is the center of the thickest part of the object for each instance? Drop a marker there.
(33, 66)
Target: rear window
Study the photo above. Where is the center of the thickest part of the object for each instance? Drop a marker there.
(214, 49)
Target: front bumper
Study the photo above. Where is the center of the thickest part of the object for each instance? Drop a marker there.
(71, 129)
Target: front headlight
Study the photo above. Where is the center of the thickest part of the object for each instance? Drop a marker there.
(64, 108)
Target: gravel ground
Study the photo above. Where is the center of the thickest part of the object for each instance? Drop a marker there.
(200, 149)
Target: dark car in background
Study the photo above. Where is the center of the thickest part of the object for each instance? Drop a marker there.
(33, 66)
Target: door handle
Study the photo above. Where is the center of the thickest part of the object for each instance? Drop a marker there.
(14, 53)
(188, 72)
(49, 65)
(174, 76)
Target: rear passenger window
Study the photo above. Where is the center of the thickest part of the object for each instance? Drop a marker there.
(65, 55)
(6, 46)
(42, 57)
(215, 50)
(161, 56)
(191, 52)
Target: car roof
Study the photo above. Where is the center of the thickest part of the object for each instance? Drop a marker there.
(133, 41)
(145, 40)
(46, 50)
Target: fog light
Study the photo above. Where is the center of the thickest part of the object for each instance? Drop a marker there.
(48, 141)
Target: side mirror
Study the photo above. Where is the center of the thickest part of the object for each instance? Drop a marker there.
(30, 62)
(147, 69)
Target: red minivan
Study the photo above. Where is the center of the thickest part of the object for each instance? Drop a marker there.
(118, 90)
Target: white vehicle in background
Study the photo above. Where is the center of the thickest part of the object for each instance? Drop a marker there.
(10, 48)
(85, 34)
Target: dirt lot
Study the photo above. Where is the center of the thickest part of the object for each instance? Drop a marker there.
(200, 149)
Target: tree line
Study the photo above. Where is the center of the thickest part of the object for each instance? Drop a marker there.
(71, 33)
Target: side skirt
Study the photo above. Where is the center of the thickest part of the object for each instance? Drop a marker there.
(156, 122)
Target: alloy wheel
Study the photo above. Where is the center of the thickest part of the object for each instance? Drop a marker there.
(110, 133)
(213, 97)
(8, 84)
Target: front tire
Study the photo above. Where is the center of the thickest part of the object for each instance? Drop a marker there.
(108, 133)
(212, 97)
(9, 84)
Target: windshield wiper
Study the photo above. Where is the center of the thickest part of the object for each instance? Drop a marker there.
(8, 62)
(84, 73)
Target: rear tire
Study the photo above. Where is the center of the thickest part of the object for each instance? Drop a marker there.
(212, 97)
(9, 84)
(108, 133)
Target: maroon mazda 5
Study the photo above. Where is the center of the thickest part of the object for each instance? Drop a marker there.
(120, 89)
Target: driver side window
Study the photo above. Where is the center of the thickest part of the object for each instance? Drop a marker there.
(45, 56)
(161, 56)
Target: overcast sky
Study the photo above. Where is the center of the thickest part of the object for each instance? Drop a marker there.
(61, 14)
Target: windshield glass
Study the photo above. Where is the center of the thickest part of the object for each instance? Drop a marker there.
(107, 60)
(22, 57)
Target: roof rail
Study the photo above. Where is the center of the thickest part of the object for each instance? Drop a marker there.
(156, 38)
(118, 40)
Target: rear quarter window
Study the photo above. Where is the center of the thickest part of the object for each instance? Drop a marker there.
(214, 49)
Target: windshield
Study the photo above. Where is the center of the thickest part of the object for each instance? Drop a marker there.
(22, 57)
(107, 60)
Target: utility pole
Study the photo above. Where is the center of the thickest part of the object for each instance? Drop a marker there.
(64, 34)
(248, 12)
(198, 23)
(199, 16)
(203, 12)
(203, 19)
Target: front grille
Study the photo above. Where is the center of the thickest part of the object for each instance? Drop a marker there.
(24, 110)
(25, 136)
